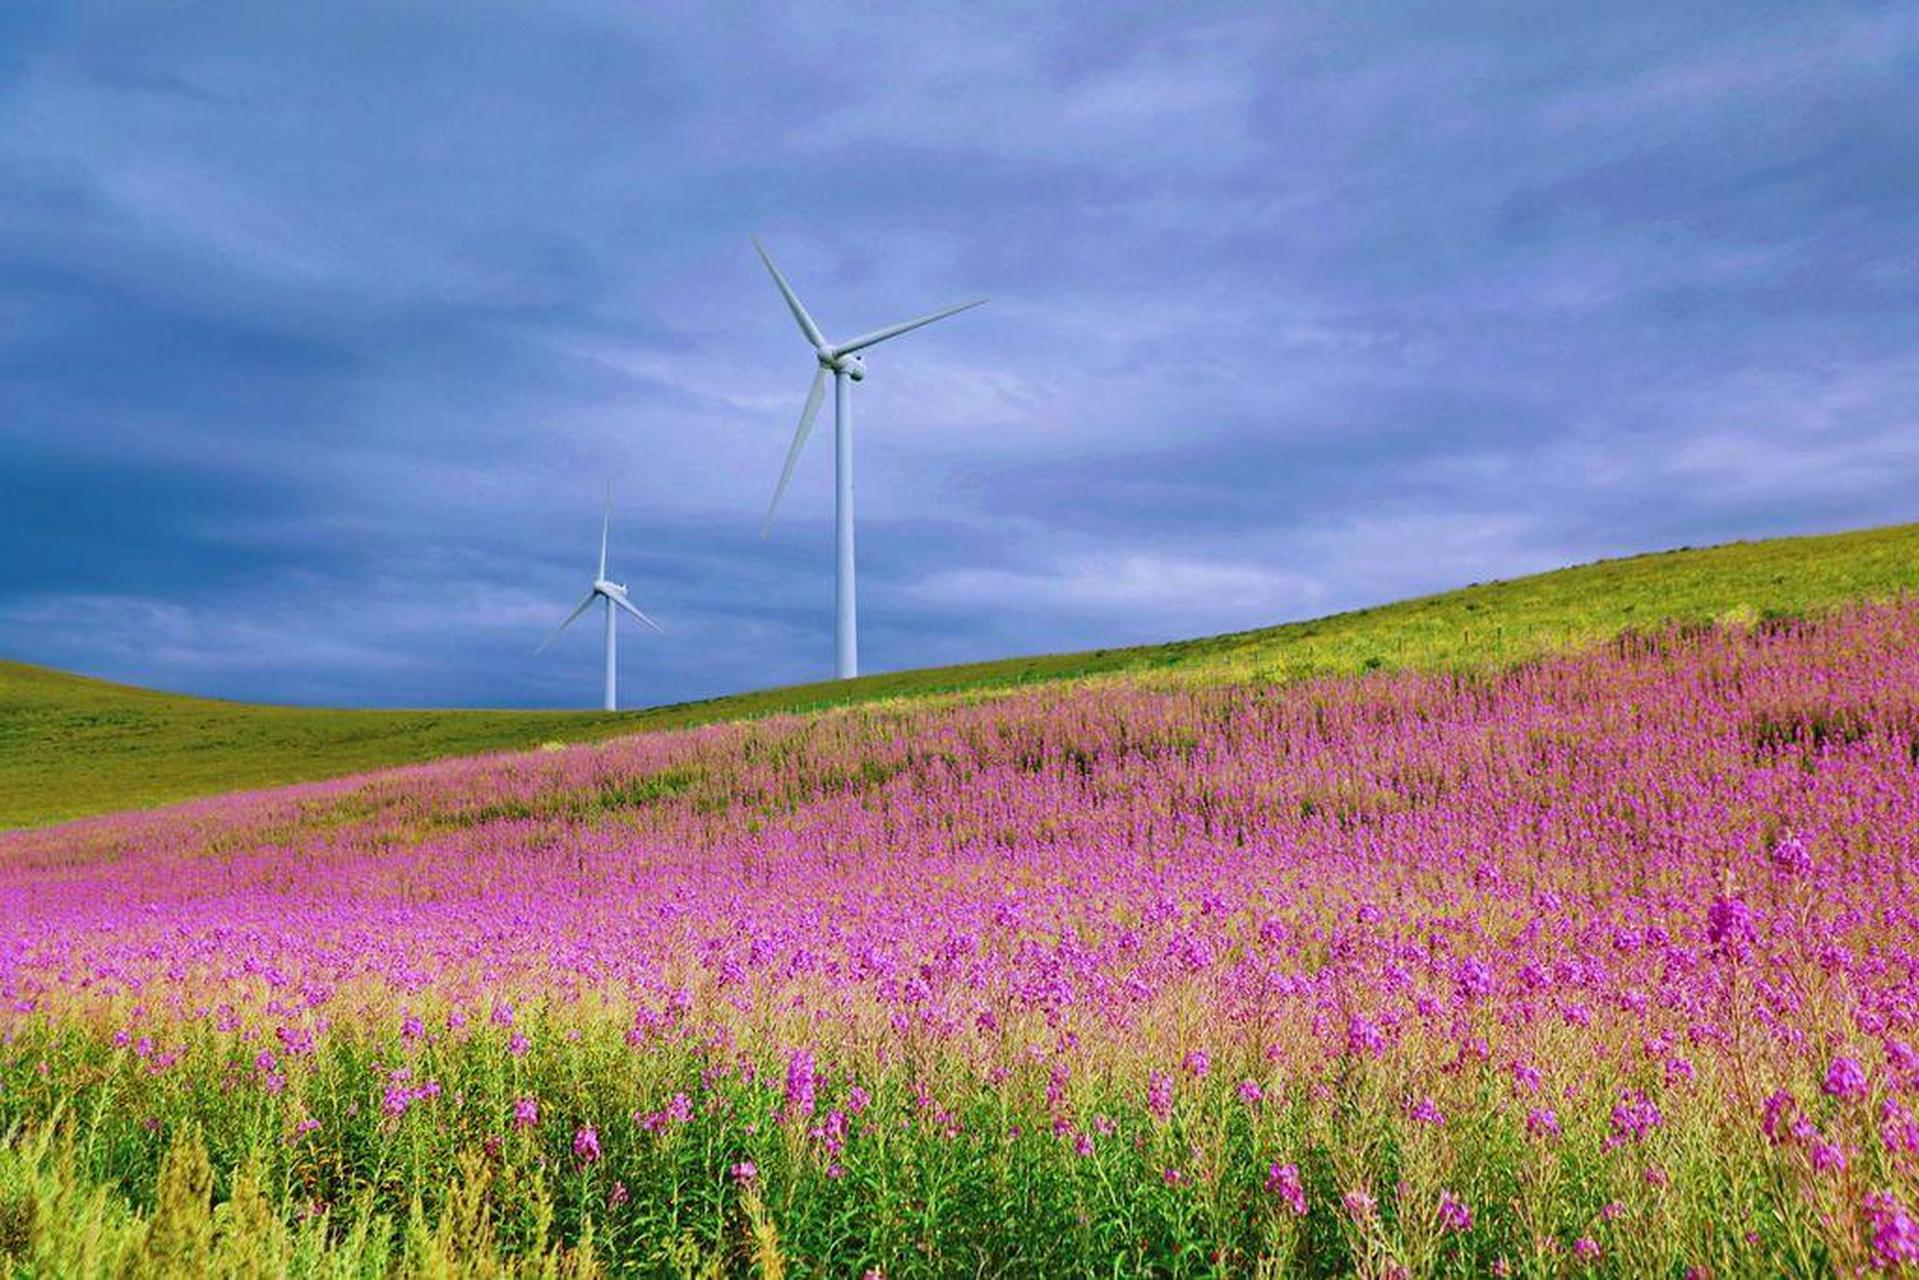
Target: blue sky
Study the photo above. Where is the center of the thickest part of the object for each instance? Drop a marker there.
(320, 326)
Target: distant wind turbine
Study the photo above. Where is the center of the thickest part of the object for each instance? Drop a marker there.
(614, 594)
(846, 367)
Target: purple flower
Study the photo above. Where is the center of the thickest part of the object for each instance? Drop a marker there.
(1635, 1116)
(1895, 1236)
(1250, 1093)
(1790, 857)
(799, 1083)
(1729, 924)
(1846, 1080)
(1363, 1037)
(526, 1112)
(1453, 1213)
(1473, 979)
(1283, 1181)
(1159, 1095)
(1774, 1119)
(745, 1171)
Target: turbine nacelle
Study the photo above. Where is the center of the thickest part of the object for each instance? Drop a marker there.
(607, 587)
(850, 365)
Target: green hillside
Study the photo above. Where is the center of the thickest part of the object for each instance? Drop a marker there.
(71, 746)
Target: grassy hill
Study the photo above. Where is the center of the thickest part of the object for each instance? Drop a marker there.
(71, 746)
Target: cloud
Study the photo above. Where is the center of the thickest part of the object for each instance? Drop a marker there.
(1137, 592)
(1293, 308)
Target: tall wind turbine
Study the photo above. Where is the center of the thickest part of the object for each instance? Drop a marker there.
(840, 360)
(614, 594)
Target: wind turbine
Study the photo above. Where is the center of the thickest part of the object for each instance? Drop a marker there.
(614, 594)
(840, 360)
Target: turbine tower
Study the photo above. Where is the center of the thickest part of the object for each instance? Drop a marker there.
(840, 360)
(614, 594)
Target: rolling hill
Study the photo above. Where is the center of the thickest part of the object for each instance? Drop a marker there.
(71, 746)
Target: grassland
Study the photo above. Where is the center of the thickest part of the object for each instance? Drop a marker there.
(71, 746)
(1593, 968)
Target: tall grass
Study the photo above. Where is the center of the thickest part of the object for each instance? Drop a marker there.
(1603, 964)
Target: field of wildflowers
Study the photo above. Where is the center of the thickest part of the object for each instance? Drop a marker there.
(1604, 965)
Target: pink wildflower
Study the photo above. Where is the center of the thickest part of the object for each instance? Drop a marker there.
(1790, 857)
(1846, 1080)
(1363, 1037)
(1283, 1180)
(1895, 1236)
(1775, 1117)
(799, 1083)
(1729, 924)
(1159, 1095)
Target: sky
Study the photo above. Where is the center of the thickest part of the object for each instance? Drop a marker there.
(323, 326)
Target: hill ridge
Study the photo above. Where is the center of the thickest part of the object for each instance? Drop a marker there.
(72, 744)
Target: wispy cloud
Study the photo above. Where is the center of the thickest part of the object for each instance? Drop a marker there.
(1294, 308)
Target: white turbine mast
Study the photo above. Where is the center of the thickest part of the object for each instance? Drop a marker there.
(840, 360)
(614, 594)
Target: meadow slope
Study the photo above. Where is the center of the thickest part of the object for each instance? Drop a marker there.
(71, 746)
(1602, 964)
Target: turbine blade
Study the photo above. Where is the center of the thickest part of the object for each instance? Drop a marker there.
(807, 415)
(895, 330)
(555, 633)
(807, 327)
(627, 605)
(606, 517)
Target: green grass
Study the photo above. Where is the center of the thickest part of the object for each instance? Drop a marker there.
(71, 746)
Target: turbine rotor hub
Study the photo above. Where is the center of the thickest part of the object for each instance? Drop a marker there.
(852, 366)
